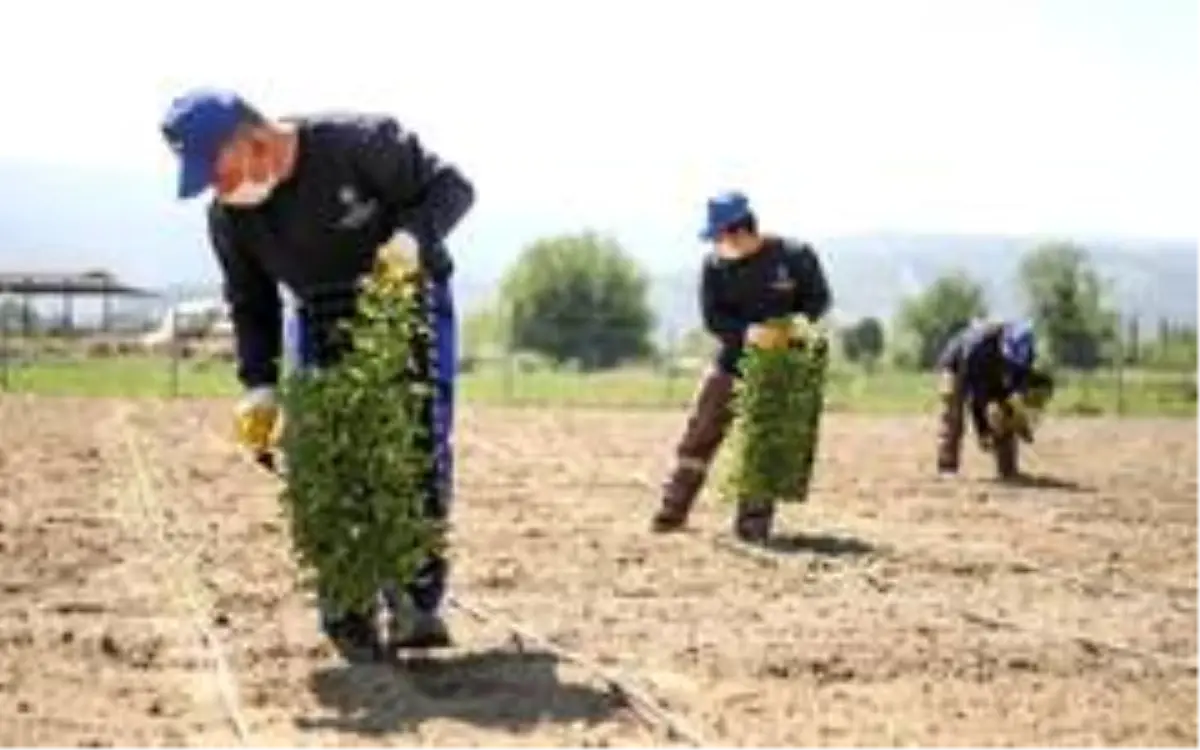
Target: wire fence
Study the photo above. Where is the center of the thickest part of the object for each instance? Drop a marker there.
(183, 347)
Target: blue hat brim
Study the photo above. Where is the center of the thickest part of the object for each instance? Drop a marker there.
(195, 174)
(710, 232)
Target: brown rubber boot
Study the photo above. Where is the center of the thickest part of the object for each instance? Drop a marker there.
(678, 497)
(707, 422)
(950, 424)
(1007, 464)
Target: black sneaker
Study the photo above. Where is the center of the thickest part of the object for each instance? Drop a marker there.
(753, 523)
(355, 637)
(419, 630)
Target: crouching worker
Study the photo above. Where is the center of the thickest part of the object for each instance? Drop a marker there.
(987, 369)
(747, 279)
(308, 203)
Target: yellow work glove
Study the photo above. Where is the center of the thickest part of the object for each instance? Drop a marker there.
(947, 384)
(1023, 417)
(997, 420)
(781, 333)
(769, 335)
(256, 417)
(1012, 416)
(399, 257)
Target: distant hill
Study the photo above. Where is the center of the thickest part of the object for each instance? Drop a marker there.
(873, 274)
(67, 219)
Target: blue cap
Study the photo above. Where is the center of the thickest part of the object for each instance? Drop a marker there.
(724, 210)
(1018, 344)
(196, 126)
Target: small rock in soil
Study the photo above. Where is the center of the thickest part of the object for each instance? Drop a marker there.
(109, 647)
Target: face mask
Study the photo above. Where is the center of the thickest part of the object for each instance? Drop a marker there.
(730, 250)
(249, 193)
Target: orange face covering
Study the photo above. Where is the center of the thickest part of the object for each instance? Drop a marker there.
(245, 173)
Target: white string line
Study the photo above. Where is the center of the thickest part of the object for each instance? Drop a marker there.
(643, 704)
(182, 586)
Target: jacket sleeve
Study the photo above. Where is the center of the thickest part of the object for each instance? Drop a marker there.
(254, 302)
(812, 298)
(952, 354)
(427, 196)
(717, 320)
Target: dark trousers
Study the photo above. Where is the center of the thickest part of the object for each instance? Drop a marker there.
(312, 344)
(952, 423)
(709, 419)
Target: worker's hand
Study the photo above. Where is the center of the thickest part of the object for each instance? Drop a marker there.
(997, 418)
(256, 416)
(946, 384)
(1021, 417)
(399, 257)
(986, 442)
(1011, 417)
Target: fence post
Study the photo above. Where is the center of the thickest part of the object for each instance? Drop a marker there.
(1120, 374)
(669, 361)
(173, 350)
(4, 351)
(507, 376)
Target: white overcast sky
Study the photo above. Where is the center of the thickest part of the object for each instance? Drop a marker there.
(836, 116)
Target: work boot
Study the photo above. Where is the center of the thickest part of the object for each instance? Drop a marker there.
(947, 466)
(678, 496)
(354, 635)
(412, 628)
(1006, 458)
(753, 522)
(668, 518)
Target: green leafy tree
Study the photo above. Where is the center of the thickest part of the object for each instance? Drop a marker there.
(17, 315)
(696, 342)
(483, 330)
(863, 342)
(931, 318)
(579, 297)
(1066, 301)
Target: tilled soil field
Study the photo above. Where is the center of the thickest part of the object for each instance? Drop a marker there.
(147, 595)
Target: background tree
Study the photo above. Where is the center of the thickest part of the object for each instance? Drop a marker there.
(483, 335)
(696, 342)
(863, 342)
(18, 316)
(943, 309)
(1065, 299)
(579, 297)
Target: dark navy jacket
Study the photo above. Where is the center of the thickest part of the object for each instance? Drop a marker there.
(783, 278)
(357, 179)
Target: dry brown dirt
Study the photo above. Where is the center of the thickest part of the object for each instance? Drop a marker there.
(147, 595)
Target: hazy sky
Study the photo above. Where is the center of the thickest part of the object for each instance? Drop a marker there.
(836, 116)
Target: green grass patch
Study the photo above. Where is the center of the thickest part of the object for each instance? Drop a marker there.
(888, 391)
(119, 376)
